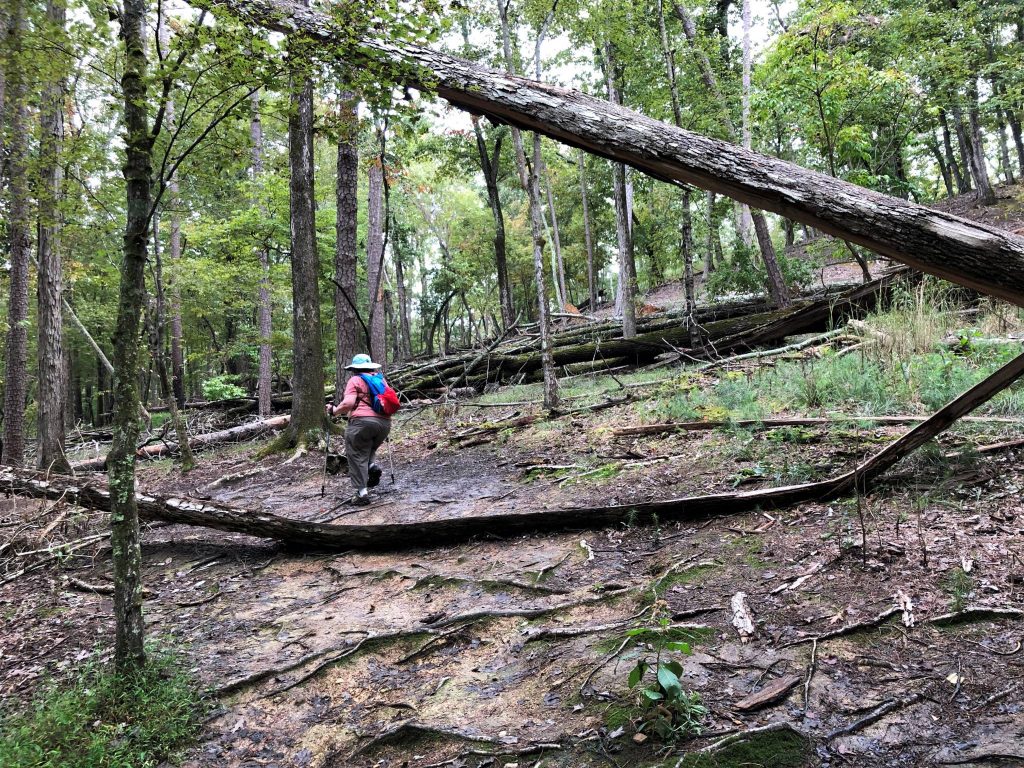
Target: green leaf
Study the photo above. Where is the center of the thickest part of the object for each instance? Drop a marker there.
(636, 674)
(652, 694)
(669, 681)
(679, 646)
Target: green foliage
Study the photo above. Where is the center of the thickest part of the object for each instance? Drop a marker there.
(769, 749)
(960, 585)
(102, 720)
(222, 388)
(663, 708)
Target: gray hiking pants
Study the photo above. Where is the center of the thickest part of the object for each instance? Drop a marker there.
(363, 436)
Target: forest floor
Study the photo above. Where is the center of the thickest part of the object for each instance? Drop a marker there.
(889, 624)
(437, 657)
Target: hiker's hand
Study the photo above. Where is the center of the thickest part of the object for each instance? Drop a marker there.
(330, 410)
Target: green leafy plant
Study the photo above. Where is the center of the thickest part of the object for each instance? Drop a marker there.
(105, 720)
(664, 708)
(222, 388)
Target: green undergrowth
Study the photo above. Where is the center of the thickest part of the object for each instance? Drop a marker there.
(102, 720)
(771, 749)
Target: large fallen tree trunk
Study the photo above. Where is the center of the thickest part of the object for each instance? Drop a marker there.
(199, 442)
(971, 254)
(723, 330)
(390, 536)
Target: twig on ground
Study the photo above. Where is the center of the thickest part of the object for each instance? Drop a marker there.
(874, 715)
(848, 629)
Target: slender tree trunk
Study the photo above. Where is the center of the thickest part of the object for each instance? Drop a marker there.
(709, 256)
(966, 145)
(404, 331)
(556, 240)
(375, 258)
(124, 523)
(940, 160)
(490, 167)
(187, 458)
(307, 345)
(346, 252)
(264, 321)
(986, 195)
(587, 235)
(627, 291)
(745, 221)
(19, 243)
(1004, 147)
(53, 382)
(531, 185)
(963, 183)
(177, 333)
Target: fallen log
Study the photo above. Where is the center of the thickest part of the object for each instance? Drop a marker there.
(393, 536)
(797, 421)
(604, 347)
(233, 435)
(971, 254)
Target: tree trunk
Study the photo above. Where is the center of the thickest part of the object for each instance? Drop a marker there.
(709, 256)
(1018, 139)
(307, 347)
(627, 287)
(986, 195)
(404, 330)
(19, 242)
(490, 167)
(264, 317)
(557, 242)
(745, 221)
(587, 236)
(940, 160)
(53, 383)
(963, 183)
(975, 255)
(375, 258)
(531, 185)
(124, 534)
(346, 251)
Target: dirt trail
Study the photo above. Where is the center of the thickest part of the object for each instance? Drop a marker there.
(358, 659)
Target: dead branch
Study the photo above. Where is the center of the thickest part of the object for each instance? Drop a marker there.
(849, 629)
(974, 613)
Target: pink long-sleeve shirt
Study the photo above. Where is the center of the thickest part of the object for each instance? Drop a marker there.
(358, 400)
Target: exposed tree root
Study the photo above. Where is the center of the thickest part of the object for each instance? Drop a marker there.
(875, 715)
(975, 613)
(849, 629)
(412, 729)
(526, 613)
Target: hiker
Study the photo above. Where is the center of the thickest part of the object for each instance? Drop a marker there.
(367, 403)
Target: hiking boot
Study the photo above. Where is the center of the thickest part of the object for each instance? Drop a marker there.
(362, 498)
(373, 480)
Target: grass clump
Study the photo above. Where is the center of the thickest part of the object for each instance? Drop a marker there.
(783, 748)
(102, 720)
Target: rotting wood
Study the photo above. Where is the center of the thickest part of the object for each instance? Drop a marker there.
(775, 691)
(971, 254)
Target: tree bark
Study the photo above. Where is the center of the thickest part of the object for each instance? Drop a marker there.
(375, 258)
(307, 346)
(975, 255)
(963, 183)
(19, 241)
(124, 517)
(587, 235)
(346, 251)
(264, 317)
(53, 382)
(404, 330)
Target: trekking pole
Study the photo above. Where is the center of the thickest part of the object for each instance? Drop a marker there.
(391, 459)
(327, 459)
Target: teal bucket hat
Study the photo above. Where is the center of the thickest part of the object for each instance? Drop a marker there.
(362, 363)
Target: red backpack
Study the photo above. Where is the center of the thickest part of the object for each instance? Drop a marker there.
(383, 399)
